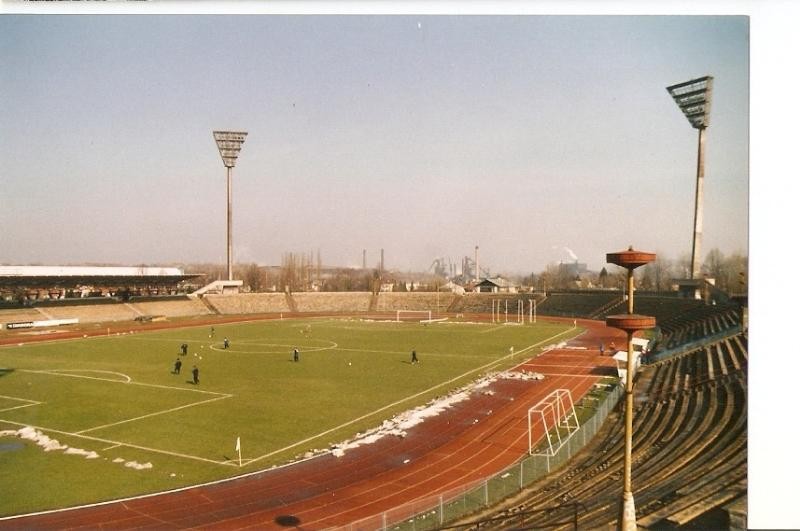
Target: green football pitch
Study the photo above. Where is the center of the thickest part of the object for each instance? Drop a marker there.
(153, 430)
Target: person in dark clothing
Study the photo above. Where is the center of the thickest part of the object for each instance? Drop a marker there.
(196, 375)
(177, 369)
(414, 357)
(225, 343)
(184, 349)
(296, 355)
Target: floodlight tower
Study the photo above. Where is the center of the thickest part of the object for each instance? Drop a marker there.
(694, 100)
(229, 144)
(630, 323)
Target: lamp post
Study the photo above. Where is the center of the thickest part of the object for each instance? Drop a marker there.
(229, 144)
(694, 100)
(630, 323)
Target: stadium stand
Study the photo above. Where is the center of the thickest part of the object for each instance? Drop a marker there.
(689, 460)
(245, 303)
(183, 307)
(482, 302)
(436, 302)
(15, 315)
(576, 304)
(93, 313)
(335, 302)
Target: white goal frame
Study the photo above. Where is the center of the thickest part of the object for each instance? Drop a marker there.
(425, 313)
(557, 409)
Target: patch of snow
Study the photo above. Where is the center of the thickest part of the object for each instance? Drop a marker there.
(138, 466)
(402, 422)
(78, 451)
(49, 445)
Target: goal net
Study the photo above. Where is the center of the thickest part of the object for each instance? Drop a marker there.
(413, 315)
(553, 420)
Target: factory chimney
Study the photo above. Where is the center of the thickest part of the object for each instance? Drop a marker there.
(477, 267)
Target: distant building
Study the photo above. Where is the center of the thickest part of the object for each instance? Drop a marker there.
(495, 285)
(452, 286)
(572, 269)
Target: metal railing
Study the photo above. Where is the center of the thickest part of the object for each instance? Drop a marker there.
(433, 512)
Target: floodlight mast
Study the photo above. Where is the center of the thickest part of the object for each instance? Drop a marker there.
(229, 144)
(693, 98)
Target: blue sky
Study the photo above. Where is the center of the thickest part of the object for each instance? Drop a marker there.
(533, 137)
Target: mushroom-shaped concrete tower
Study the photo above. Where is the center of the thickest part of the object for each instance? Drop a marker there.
(630, 323)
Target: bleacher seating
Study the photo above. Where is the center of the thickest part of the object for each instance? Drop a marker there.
(332, 302)
(482, 302)
(19, 315)
(249, 303)
(575, 304)
(689, 456)
(185, 307)
(93, 313)
(435, 302)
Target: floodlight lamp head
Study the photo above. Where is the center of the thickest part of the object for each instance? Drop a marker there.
(694, 100)
(229, 144)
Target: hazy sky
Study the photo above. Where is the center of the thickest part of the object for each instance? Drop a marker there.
(534, 137)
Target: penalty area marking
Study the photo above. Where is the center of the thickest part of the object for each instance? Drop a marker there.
(29, 403)
(119, 443)
(154, 414)
(217, 396)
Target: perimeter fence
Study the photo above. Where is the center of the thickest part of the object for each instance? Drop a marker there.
(433, 512)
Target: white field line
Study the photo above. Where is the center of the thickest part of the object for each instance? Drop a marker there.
(155, 414)
(218, 396)
(29, 403)
(407, 353)
(493, 329)
(119, 443)
(406, 399)
(287, 347)
(67, 372)
(58, 372)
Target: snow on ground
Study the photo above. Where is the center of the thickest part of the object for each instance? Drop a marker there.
(402, 422)
(49, 445)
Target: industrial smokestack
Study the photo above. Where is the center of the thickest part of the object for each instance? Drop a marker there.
(381, 261)
(477, 266)
(364, 259)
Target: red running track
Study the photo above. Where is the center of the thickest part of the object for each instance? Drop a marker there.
(463, 445)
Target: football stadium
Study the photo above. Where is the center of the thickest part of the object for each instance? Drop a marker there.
(159, 369)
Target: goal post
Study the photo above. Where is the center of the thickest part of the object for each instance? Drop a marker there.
(413, 315)
(554, 420)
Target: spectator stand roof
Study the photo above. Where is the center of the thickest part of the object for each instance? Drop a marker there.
(46, 277)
